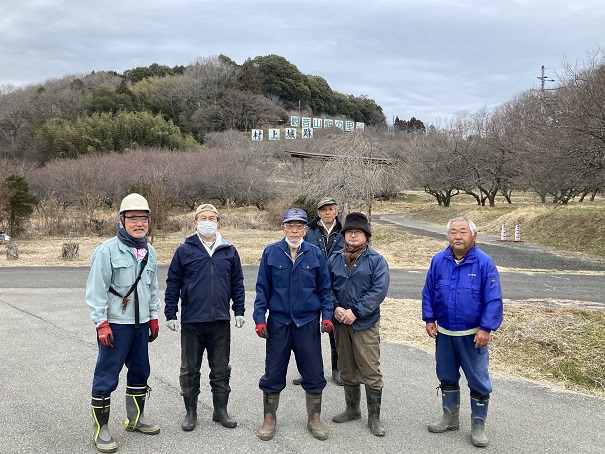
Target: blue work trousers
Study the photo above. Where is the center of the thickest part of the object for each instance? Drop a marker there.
(130, 348)
(305, 342)
(215, 339)
(455, 352)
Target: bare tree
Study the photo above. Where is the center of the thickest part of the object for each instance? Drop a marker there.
(359, 173)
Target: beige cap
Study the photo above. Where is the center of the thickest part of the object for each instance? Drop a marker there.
(206, 207)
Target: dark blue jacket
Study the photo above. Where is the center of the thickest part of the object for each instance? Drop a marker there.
(362, 289)
(292, 292)
(205, 284)
(315, 236)
(463, 296)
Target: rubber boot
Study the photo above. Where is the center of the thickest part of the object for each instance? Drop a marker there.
(297, 380)
(335, 372)
(100, 416)
(220, 414)
(314, 423)
(352, 400)
(450, 401)
(336, 377)
(135, 408)
(270, 404)
(190, 419)
(374, 399)
(478, 416)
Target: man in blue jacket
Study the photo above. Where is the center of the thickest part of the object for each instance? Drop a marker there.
(324, 231)
(462, 305)
(205, 274)
(360, 281)
(293, 285)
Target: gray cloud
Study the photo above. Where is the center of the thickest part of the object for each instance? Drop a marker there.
(428, 59)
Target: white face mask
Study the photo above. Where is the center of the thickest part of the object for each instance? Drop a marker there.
(294, 245)
(206, 228)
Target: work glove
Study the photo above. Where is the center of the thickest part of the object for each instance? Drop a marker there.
(172, 325)
(261, 330)
(154, 329)
(239, 321)
(105, 335)
(326, 326)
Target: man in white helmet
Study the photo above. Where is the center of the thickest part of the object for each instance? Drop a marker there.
(122, 293)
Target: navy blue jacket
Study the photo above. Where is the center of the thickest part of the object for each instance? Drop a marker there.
(315, 236)
(292, 292)
(361, 289)
(205, 284)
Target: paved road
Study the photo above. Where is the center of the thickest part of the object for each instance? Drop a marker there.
(544, 287)
(49, 349)
(48, 353)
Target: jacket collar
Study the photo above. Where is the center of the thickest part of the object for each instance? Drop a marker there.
(314, 223)
(471, 255)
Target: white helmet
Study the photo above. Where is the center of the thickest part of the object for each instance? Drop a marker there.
(134, 202)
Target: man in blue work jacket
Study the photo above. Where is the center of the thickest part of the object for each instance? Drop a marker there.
(294, 286)
(462, 305)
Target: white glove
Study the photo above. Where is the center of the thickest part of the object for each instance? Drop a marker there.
(239, 321)
(172, 324)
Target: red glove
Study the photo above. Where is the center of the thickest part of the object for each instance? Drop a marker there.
(261, 330)
(154, 329)
(326, 326)
(105, 335)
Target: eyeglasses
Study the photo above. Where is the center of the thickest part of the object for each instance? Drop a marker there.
(135, 219)
(294, 226)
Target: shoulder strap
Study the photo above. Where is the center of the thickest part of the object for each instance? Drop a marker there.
(136, 282)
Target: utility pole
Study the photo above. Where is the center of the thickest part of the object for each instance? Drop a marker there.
(543, 79)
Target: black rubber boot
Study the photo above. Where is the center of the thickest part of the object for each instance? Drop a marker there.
(135, 408)
(100, 416)
(352, 400)
(335, 372)
(270, 404)
(190, 419)
(374, 399)
(220, 414)
(314, 423)
(450, 401)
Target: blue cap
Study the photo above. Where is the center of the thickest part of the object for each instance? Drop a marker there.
(295, 214)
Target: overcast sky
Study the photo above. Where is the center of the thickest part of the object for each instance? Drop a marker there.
(424, 58)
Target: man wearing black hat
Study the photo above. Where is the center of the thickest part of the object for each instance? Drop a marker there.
(360, 280)
(325, 233)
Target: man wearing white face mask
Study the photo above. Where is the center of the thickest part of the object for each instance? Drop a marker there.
(205, 274)
(292, 292)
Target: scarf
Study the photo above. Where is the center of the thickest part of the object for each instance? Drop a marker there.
(352, 253)
(129, 240)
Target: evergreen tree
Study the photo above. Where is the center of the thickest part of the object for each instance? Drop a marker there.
(17, 202)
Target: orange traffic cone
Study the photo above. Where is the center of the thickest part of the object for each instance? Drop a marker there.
(503, 232)
(518, 233)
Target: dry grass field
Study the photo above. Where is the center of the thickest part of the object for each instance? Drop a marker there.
(562, 347)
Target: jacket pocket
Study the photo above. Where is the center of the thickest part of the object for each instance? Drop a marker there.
(123, 273)
(280, 273)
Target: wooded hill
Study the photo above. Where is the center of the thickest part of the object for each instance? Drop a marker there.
(163, 107)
